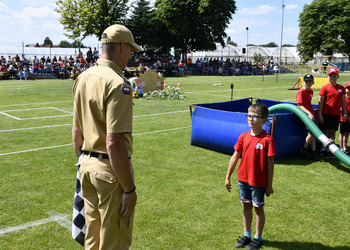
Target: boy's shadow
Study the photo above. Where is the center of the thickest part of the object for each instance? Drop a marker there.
(301, 245)
(298, 160)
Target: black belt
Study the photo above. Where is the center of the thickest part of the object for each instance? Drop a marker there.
(97, 155)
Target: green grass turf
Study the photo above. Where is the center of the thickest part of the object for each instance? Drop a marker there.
(182, 200)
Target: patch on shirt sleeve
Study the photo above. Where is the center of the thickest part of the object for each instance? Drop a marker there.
(126, 90)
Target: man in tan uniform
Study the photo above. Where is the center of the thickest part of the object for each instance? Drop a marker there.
(102, 127)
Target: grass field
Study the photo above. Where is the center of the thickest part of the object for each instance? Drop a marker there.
(182, 200)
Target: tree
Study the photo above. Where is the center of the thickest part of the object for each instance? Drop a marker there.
(288, 45)
(257, 57)
(82, 18)
(194, 24)
(270, 44)
(47, 41)
(65, 44)
(140, 23)
(78, 44)
(228, 41)
(325, 28)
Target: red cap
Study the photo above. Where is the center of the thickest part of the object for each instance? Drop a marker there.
(333, 70)
(347, 85)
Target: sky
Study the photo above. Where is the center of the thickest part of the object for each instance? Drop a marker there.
(31, 21)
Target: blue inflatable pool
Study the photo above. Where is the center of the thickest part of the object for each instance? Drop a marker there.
(217, 126)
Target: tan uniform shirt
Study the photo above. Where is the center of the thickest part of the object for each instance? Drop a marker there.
(103, 104)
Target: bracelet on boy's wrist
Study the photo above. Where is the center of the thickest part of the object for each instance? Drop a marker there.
(131, 191)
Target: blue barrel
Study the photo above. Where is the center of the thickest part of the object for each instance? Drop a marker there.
(217, 126)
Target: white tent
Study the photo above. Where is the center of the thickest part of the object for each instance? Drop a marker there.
(288, 53)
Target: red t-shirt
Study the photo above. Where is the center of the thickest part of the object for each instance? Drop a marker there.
(255, 150)
(347, 99)
(333, 96)
(304, 97)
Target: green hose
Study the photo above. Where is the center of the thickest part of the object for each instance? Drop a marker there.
(326, 142)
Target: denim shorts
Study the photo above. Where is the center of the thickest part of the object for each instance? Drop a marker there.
(250, 194)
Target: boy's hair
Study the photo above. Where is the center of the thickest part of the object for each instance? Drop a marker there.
(259, 107)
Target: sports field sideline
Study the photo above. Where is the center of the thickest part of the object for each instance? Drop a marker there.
(182, 200)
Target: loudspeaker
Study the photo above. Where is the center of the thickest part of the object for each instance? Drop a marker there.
(243, 51)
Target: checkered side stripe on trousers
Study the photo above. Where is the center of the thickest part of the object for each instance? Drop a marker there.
(78, 223)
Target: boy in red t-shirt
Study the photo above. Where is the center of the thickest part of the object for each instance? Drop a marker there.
(255, 173)
(345, 125)
(304, 98)
(331, 102)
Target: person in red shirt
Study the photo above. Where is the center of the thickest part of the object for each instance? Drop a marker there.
(304, 98)
(331, 103)
(255, 173)
(181, 66)
(345, 125)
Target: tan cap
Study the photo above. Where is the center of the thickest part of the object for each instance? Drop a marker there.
(118, 33)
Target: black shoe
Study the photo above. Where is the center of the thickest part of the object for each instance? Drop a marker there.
(255, 244)
(303, 152)
(242, 241)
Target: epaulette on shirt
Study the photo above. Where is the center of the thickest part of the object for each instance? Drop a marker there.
(126, 86)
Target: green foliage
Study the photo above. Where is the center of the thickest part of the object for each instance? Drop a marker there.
(194, 24)
(82, 18)
(270, 44)
(288, 45)
(140, 23)
(65, 44)
(228, 41)
(169, 93)
(47, 41)
(257, 57)
(78, 44)
(325, 28)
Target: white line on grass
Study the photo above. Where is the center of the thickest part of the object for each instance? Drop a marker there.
(70, 144)
(11, 116)
(160, 131)
(171, 112)
(64, 111)
(45, 117)
(20, 129)
(36, 149)
(38, 103)
(59, 218)
(65, 125)
(26, 88)
(33, 118)
(27, 104)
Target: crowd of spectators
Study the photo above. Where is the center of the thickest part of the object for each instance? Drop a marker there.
(16, 67)
(229, 67)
